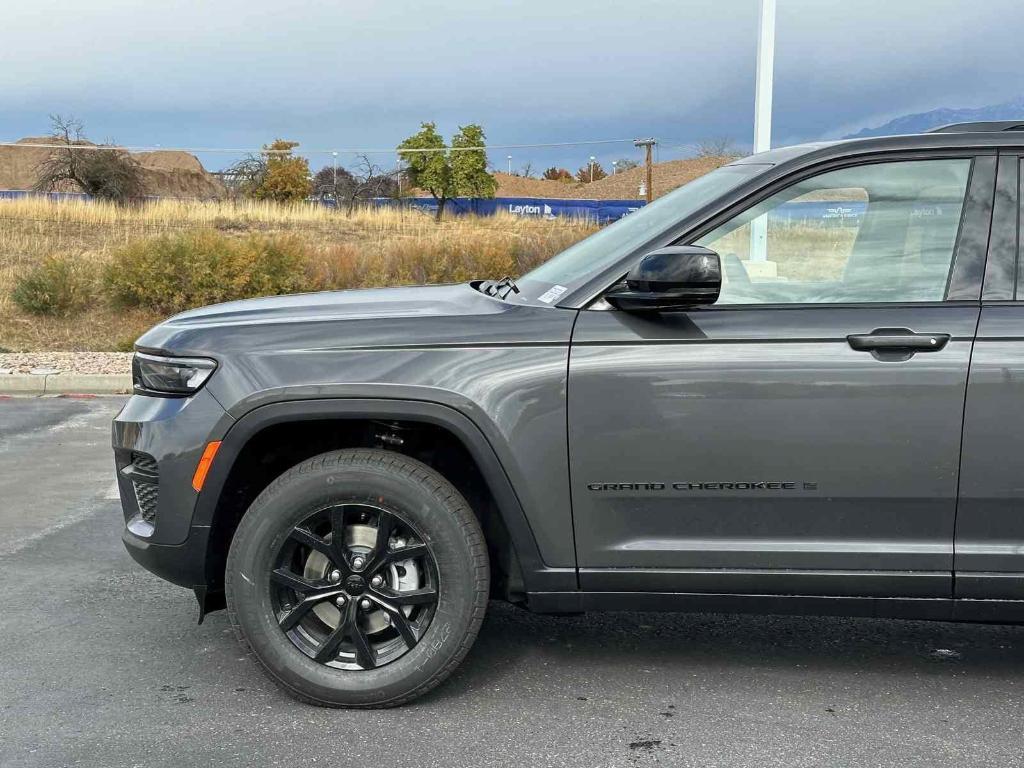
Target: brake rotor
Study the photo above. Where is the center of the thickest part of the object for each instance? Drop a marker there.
(400, 577)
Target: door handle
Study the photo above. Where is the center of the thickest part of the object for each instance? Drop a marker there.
(897, 343)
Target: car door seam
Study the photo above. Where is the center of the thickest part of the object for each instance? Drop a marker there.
(568, 447)
(960, 455)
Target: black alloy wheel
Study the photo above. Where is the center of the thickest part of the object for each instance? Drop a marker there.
(358, 578)
(354, 586)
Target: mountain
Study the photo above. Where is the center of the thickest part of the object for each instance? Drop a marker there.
(923, 121)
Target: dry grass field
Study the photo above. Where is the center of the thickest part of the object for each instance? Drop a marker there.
(802, 253)
(372, 247)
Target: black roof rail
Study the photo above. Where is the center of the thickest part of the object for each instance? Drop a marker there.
(982, 126)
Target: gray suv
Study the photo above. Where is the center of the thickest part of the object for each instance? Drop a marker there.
(790, 386)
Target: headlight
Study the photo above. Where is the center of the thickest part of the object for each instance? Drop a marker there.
(175, 376)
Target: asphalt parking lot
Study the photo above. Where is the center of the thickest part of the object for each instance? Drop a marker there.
(104, 665)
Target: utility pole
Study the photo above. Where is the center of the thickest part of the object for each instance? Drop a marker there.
(763, 116)
(648, 145)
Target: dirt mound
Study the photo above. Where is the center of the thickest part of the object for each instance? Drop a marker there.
(168, 173)
(172, 173)
(18, 164)
(620, 186)
(169, 160)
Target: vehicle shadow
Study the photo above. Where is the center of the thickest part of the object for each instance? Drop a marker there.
(512, 641)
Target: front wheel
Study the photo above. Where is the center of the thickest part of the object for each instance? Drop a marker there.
(358, 578)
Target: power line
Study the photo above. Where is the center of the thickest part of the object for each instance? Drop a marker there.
(392, 151)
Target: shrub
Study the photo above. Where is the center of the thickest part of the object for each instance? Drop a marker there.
(171, 273)
(440, 259)
(275, 174)
(590, 172)
(58, 286)
(126, 344)
(558, 174)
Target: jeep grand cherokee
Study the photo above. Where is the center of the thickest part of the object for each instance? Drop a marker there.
(792, 385)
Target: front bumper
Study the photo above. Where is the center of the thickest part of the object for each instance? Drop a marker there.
(182, 564)
(157, 444)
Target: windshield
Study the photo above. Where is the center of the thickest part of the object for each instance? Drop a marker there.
(547, 282)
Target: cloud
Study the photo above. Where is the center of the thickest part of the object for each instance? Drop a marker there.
(355, 73)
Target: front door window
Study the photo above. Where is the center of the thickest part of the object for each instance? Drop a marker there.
(883, 232)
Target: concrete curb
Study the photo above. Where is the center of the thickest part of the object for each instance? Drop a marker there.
(65, 384)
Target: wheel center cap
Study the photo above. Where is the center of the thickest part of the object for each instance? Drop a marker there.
(355, 584)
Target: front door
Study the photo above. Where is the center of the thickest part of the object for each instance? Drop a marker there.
(802, 435)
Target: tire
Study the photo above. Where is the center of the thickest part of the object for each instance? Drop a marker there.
(378, 486)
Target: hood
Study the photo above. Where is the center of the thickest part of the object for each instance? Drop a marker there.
(332, 305)
(420, 315)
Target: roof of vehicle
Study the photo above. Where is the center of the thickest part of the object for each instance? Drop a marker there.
(994, 134)
(982, 126)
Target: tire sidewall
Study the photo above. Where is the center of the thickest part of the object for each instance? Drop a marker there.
(415, 499)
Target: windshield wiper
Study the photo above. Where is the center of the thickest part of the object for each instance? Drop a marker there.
(495, 287)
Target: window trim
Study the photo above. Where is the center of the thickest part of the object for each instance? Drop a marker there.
(1002, 263)
(964, 282)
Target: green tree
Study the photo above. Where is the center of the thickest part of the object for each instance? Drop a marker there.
(469, 166)
(430, 165)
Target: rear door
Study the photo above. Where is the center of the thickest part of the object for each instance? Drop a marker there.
(990, 520)
(802, 436)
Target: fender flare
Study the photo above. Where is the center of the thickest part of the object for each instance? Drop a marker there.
(537, 576)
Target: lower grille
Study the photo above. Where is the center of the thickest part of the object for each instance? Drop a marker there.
(146, 495)
(146, 482)
(144, 463)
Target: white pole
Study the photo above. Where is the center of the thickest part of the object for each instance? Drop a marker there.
(763, 114)
(763, 78)
(510, 165)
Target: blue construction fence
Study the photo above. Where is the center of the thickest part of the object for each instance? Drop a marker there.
(529, 207)
(611, 210)
(13, 194)
(601, 211)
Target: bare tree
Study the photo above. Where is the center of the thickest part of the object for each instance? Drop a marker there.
(526, 171)
(720, 146)
(245, 176)
(369, 180)
(360, 182)
(331, 183)
(103, 171)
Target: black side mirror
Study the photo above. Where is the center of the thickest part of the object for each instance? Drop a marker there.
(677, 277)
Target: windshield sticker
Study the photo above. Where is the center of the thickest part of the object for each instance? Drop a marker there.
(552, 293)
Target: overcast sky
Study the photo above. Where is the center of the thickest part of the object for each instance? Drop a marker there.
(237, 73)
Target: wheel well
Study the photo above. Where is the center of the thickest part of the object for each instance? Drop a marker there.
(272, 451)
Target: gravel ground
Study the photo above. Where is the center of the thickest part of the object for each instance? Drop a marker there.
(65, 362)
